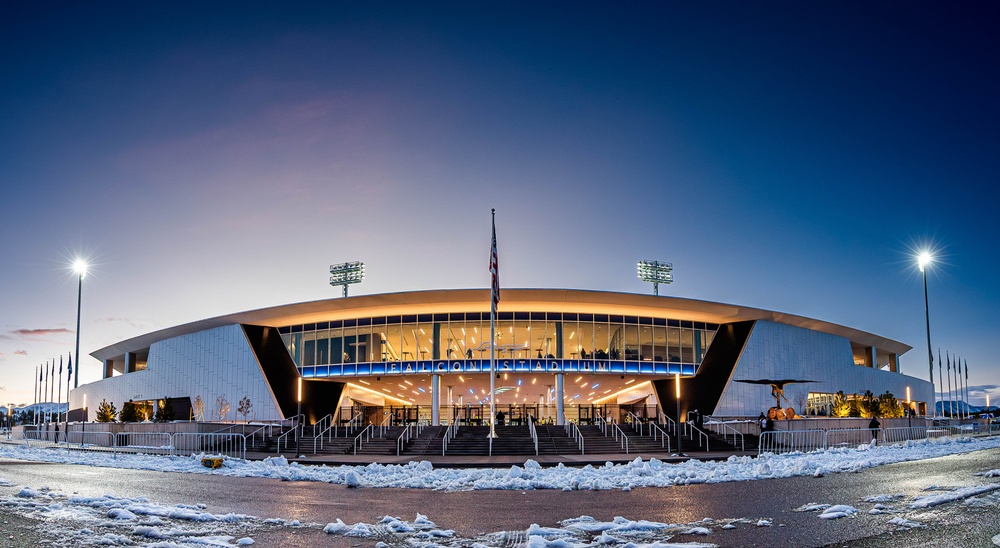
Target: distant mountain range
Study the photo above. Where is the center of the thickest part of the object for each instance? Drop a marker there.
(44, 407)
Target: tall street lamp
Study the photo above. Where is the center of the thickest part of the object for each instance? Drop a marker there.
(298, 418)
(923, 260)
(80, 267)
(677, 396)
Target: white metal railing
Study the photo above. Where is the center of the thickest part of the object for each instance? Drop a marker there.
(293, 433)
(366, 434)
(849, 437)
(637, 423)
(726, 431)
(230, 445)
(573, 431)
(145, 442)
(384, 426)
(616, 431)
(690, 430)
(893, 436)
(670, 423)
(323, 424)
(534, 434)
(449, 433)
(658, 432)
(92, 440)
(406, 435)
(785, 441)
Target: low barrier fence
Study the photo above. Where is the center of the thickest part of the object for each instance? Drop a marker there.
(151, 443)
(787, 441)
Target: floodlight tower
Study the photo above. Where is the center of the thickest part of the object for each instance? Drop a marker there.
(346, 274)
(657, 273)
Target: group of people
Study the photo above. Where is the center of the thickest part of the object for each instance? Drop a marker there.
(766, 424)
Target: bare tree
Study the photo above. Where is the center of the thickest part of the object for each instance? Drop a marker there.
(198, 408)
(245, 408)
(222, 407)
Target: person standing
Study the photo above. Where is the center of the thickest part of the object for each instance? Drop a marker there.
(762, 423)
(874, 427)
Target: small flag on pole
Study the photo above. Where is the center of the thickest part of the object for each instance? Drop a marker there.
(60, 366)
(494, 268)
(69, 368)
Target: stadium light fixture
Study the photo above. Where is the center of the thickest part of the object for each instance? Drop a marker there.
(657, 273)
(924, 259)
(346, 274)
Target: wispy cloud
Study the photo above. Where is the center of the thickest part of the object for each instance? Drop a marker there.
(982, 388)
(20, 352)
(38, 333)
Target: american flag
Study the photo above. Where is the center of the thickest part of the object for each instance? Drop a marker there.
(495, 268)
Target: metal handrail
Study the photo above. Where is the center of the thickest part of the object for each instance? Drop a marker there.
(366, 433)
(701, 434)
(602, 423)
(534, 434)
(654, 428)
(670, 423)
(407, 435)
(574, 432)
(615, 431)
(295, 430)
(713, 425)
(328, 419)
(636, 421)
(449, 433)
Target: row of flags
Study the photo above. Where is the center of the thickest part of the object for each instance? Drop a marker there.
(960, 384)
(44, 390)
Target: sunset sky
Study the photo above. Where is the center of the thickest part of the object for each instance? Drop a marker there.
(210, 158)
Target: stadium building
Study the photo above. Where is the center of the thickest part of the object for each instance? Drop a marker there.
(561, 355)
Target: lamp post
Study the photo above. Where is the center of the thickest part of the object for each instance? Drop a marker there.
(923, 260)
(655, 272)
(298, 415)
(677, 395)
(80, 267)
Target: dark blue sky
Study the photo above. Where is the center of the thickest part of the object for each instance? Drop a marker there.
(217, 158)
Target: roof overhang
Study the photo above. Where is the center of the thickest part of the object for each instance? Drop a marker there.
(478, 300)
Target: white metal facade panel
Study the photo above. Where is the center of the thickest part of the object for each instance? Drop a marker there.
(212, 363)
(778, 351)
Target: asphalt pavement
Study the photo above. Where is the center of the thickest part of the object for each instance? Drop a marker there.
(474, 514)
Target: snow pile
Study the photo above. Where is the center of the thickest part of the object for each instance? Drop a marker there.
(635, 474)
(126, 521)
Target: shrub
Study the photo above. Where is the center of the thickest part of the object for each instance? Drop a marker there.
(106, 412)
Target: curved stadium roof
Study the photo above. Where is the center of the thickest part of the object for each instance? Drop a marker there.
(477, 300)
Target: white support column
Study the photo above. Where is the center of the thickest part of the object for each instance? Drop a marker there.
(560, 413)
(435, 400)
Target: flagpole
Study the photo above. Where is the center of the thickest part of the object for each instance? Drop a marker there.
(59, 399)
(958, 387)
(36, 395)
(951, 407)
(69, 378)
(966, 381)
(494, 299)
(940, 383)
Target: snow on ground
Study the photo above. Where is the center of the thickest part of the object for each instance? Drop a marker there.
(638, 473)
(111, 520)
